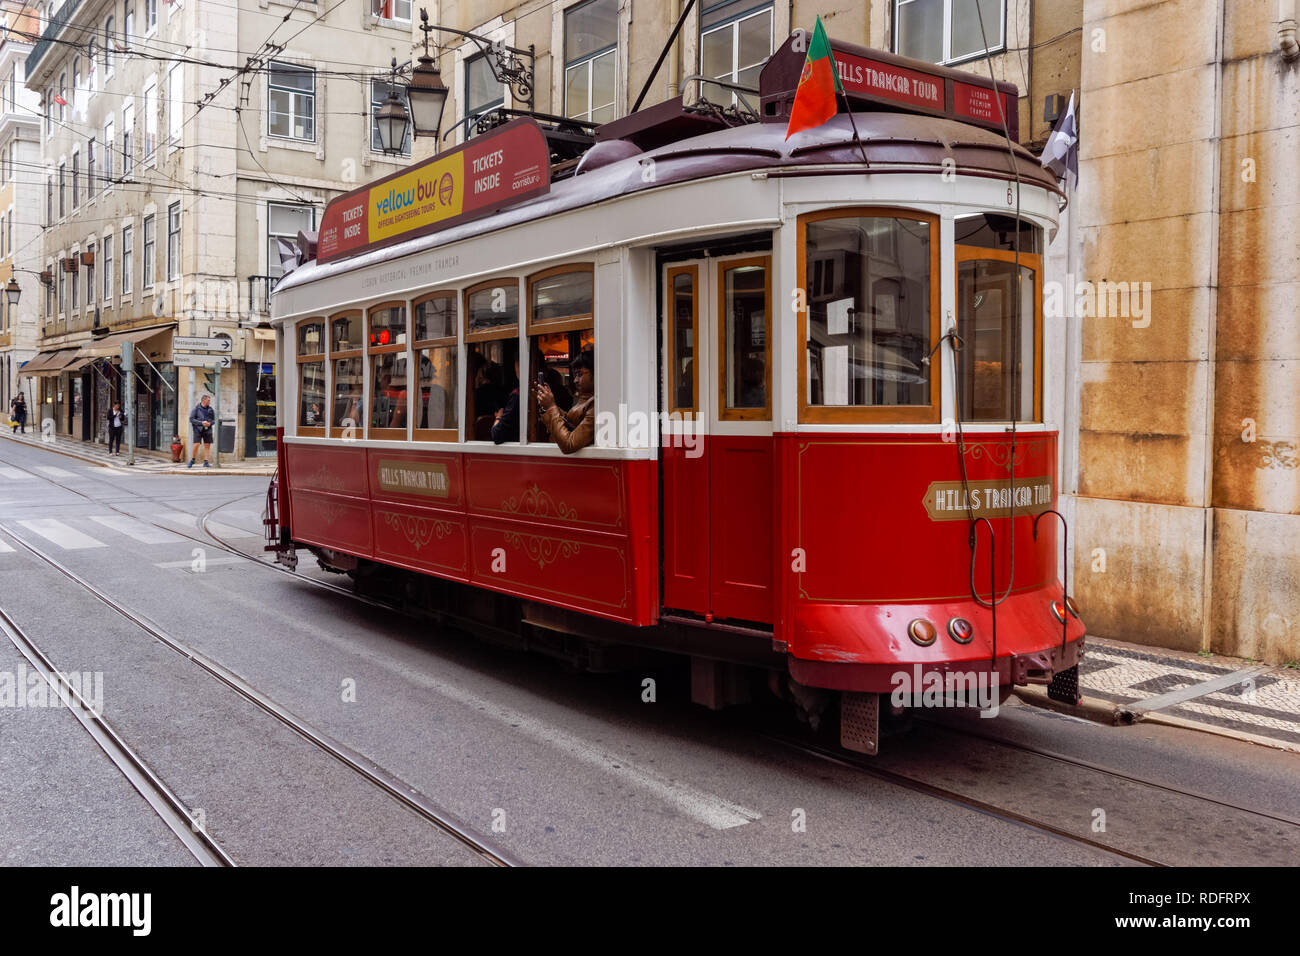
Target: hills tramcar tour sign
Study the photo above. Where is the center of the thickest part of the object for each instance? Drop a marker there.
(497, 169)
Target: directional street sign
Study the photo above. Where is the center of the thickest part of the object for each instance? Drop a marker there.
(191, 360)
(193, 344)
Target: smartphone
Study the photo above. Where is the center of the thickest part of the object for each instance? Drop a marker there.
(541, 379)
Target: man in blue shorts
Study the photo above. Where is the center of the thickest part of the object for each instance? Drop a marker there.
(201, 421)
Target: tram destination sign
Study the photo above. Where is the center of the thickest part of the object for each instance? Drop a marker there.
(492, 171)
(200, 360)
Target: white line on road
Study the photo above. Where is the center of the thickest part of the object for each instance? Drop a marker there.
(215, 559)
(14, 473)
(54, 472)
(133, 528)
(65, 536)
(192, 521)
(4, 548)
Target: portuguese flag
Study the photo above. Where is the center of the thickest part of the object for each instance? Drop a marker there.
(814, 100)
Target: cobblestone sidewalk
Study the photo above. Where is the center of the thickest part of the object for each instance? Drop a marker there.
(148, 462)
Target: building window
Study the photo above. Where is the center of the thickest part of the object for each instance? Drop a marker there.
(150, 118)
(590, 70)
(174, 241)
(128, 258)
(108, 152)
(63, 191)
(146, 279)
(62, 98)
(150, 16)
(291, 102)
(128, 130)
(175, 104)
(49, 201)
(75, 281)
(378, 97)
(90, 276)
(483, 91)
(735, 42)
(76, 179)
(948, 31)
(391, 9)
(76, 78)
(108, 270)
(49, 111)
(108, 47)
(92, 57)
(128, 19)
(283, 221)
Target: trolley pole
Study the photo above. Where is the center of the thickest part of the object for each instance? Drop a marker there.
(128, 389)
(216, 415)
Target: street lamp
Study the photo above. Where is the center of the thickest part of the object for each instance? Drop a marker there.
(426, 92)
(392, 120)
(12, 292)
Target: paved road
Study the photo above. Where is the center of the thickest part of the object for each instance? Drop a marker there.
(555, 767)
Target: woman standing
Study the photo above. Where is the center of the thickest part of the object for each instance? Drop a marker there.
(18, 407)
(116, 425)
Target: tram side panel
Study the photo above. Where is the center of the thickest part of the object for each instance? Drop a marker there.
(878, 534)
(575, 533)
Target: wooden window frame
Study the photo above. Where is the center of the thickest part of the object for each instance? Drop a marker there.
(1033, 261)
(311, 431)
(420, 345)
(387, 434)
(570, 323)
(505, 332)
(334, 356)
(670, 275)
(726, 414)
(867, 414)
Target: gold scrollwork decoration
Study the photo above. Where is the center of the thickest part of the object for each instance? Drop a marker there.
(536, 503)
(541, 549)
(419, 532)
(998, 453)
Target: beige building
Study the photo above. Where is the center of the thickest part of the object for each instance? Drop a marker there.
(179, 140)
(20, 164)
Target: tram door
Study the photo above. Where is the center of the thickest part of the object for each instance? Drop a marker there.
(717, 438)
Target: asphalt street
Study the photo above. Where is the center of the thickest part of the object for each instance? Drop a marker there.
(553, 766)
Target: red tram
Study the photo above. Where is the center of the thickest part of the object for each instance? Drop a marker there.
(820, 447)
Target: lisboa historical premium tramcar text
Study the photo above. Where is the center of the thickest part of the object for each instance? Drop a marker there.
(775, 404)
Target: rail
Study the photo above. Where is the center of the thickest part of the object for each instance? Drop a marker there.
(57, 22)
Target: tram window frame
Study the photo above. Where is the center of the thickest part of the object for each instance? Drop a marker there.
(336, 356)
(674, 383)
(508, 331)
(419, 347)
(726, 413)
(537, 329)
(373, 351)
(963, 254)
(809, 413)
(312, 358)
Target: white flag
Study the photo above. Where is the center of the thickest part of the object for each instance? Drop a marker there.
(1061, 154)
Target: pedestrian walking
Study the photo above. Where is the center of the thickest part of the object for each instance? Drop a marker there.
(18, 412)
(116, 425)
(201, 421)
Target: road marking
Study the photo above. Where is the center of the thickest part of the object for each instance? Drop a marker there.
(54, 472)
(65, 536)
(136, 529)
(14, 473)
(4, 547)
(215, 559)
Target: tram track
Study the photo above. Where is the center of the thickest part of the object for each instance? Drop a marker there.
(150, 785)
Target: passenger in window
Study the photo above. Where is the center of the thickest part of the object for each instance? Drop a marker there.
(506, 426)
(576, 428)
(753, 384)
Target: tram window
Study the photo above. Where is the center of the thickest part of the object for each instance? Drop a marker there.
(997, 369)
(311, 338)
(388, 393)
(991, 231)
(438, 396)
(492, 307)
(387, 326)
(491, 374)
(745, 309)
(347, 411)
(552, 354)
(683, 330)
(345, 333)
(435, 318)
(870, 283)
(311, 394)
(559, 295)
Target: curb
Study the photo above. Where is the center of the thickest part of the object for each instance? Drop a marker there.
(128, 470)
(1105, 712)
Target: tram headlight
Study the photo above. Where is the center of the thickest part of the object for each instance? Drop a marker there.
(961, 630)
(1059, 611)
(1072, 608)
(922, 632)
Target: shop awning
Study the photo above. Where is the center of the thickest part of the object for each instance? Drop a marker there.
(49, 363)
(77, 364)
(112, 344)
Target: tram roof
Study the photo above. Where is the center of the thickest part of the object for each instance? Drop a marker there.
(893, 142)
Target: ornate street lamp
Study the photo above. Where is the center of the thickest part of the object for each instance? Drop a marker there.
(392, 119)
(12, 292)
(426, 92)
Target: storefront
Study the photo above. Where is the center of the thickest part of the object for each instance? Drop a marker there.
(259, 410)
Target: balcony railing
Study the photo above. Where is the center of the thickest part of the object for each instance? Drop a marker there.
(259, 293)
(56, 24)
